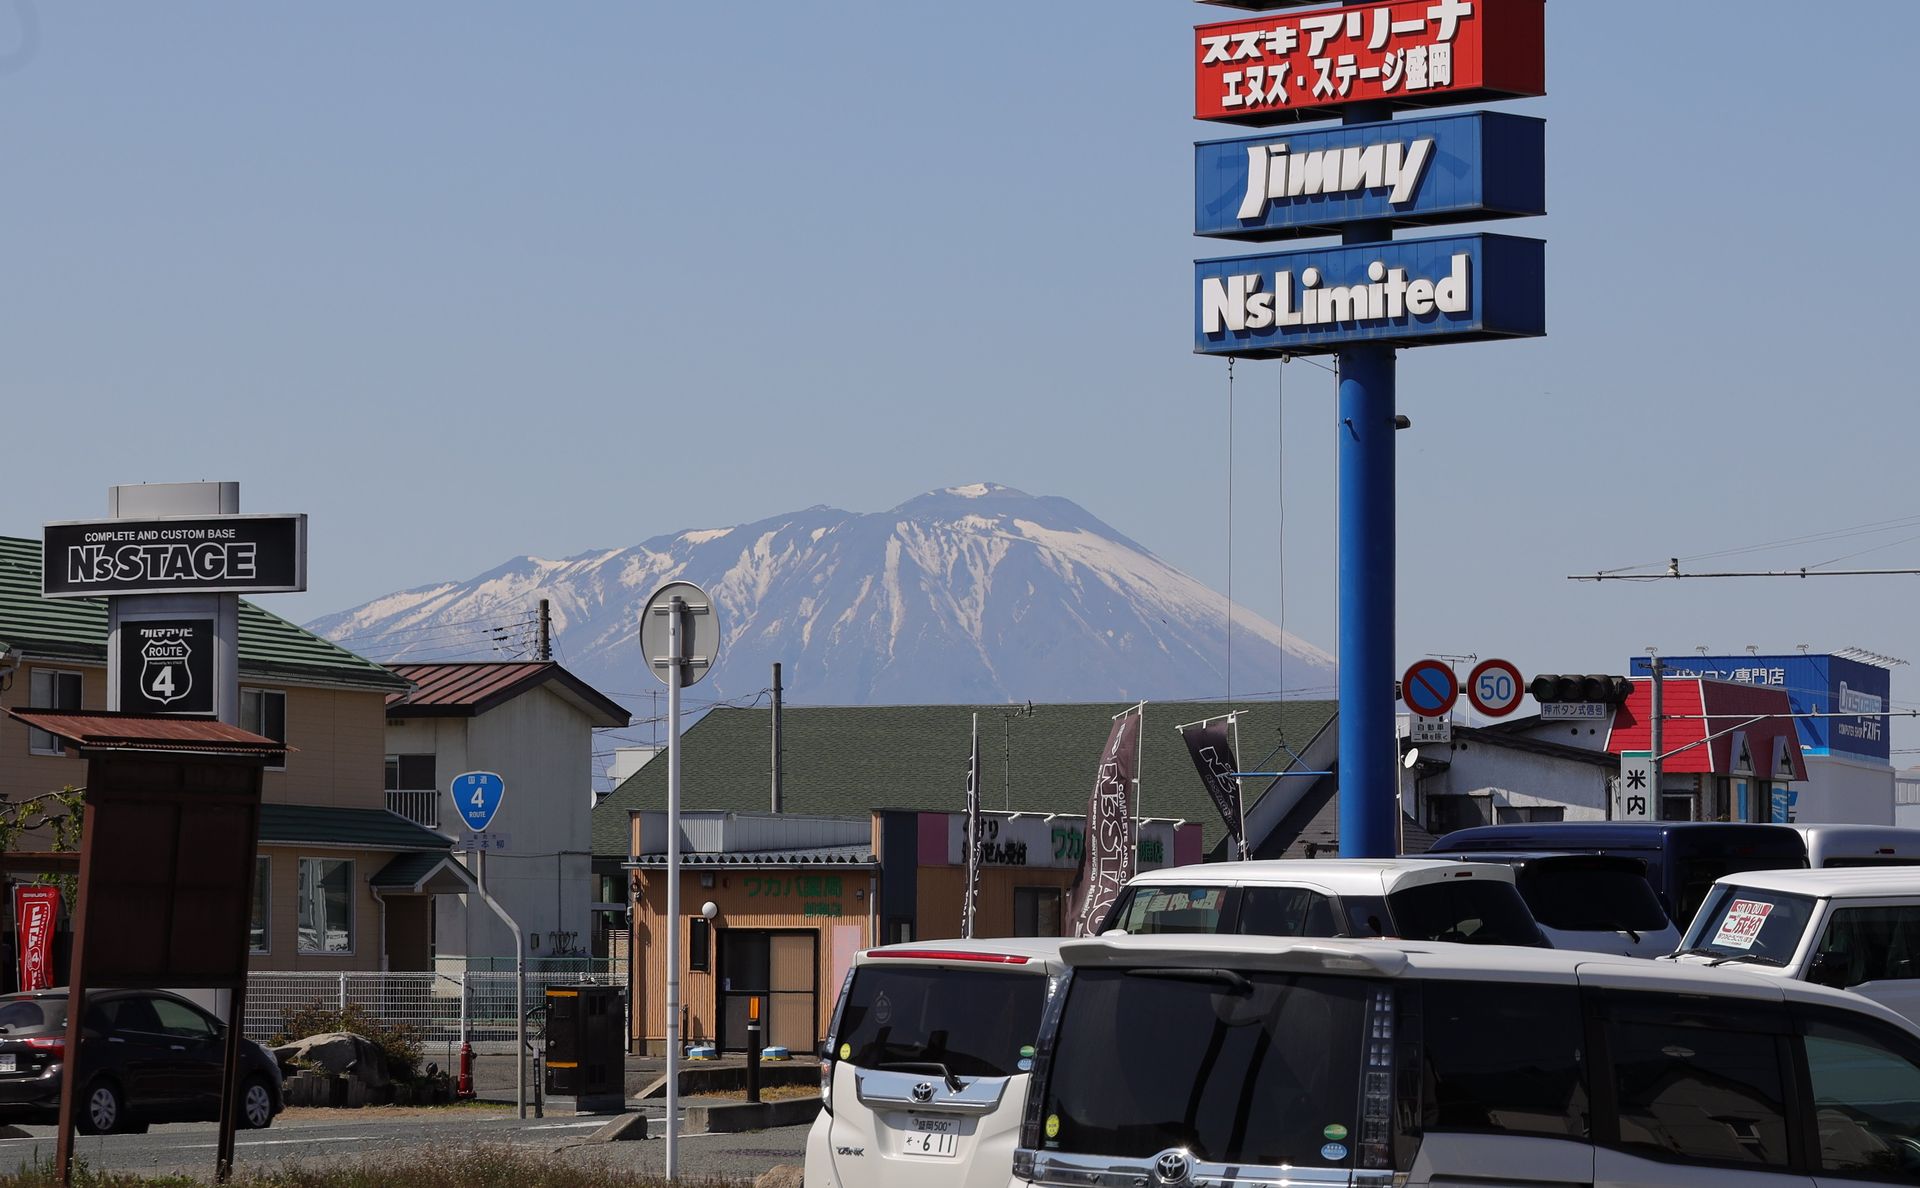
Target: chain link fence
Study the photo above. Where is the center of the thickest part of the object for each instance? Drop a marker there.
(441, 1006)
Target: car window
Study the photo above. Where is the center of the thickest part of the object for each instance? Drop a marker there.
(177, 1018)
(1159, 910)
(1698, 1079)
(1743, 923)
(1504, 1058)
(1286, 911)
(1577, 897)
(1467, 911)
(26, 1015)
(1236, 1067)
(1366, 914)
(1698, 875)
(1871, 944)
(976, 1022)
(1866, 1097)
(132, 1013)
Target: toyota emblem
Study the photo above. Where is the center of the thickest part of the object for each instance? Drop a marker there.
(1172, 1167)
(923, 1092)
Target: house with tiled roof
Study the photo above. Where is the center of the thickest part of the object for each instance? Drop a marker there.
(532, 724)
(343, 884)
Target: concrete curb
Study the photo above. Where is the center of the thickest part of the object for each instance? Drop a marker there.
(748, 1115)
(721, 1078)
(628, 1127)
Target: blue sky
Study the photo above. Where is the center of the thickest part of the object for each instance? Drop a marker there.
(466, 280)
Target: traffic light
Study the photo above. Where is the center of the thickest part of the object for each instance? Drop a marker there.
(1593, 687)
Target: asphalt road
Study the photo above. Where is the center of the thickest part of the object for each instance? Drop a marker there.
(302, 1136)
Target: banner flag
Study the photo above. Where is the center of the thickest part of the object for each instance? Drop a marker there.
(1211, 745)
(36, 912)
(1108, 860)
(970, 906)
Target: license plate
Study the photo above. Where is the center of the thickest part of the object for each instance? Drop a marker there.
(6, 1062)
(944, 1143)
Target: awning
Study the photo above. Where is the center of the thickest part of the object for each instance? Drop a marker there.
(426, 872)
(102, 730)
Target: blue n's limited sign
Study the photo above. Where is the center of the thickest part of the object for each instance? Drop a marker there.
(1457, 288)
(477, 796)
(1413, 172)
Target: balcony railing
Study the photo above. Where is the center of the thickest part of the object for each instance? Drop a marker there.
(420, 807)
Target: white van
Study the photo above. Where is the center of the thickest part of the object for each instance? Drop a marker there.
(1853, 928)
(1235, 1061)
(1859, 845)
(925, 1071)
(1415, 898)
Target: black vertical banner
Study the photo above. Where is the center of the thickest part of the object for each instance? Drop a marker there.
(970, 906)
(1211, 745)
(1107, 862)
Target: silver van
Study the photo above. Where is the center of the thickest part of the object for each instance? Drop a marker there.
(924, 1074)
(1243, 1061)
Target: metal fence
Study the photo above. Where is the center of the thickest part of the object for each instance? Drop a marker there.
(438, 1005)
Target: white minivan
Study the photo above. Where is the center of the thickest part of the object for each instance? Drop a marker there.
(1438, 899)
(924, 1074)
(1243, 1061)
(1855, 928)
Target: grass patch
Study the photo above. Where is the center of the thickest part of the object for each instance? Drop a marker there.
(769, 1093)
(476, 1167)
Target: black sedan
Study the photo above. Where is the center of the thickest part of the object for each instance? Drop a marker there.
(145, 1056)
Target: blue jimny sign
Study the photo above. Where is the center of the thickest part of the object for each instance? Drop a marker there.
(477, 796)
(1412, 172)
(1814, 684)
(1457, 288)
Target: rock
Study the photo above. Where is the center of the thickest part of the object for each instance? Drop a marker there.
(783, 1175)
(339, 1052)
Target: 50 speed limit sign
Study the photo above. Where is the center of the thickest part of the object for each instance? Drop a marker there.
(1494, 688)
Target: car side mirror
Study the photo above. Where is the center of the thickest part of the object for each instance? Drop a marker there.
(1829, 969)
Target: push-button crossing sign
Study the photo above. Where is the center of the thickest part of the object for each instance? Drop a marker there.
(477, 796)
(1633, 797)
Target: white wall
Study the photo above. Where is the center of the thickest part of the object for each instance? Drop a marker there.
(1846, 791)
(1513, 778)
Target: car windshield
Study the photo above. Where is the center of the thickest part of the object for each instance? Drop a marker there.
(1698, 875)
(1467, 911)
(18, 1015)
(1590, 897)
(1254, 1068)
(1744, 923)
(1154, 910)
(974, 1022)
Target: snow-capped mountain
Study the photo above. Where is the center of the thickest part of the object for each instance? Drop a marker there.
(971, 594)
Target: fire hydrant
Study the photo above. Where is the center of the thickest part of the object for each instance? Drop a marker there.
(463, 1085)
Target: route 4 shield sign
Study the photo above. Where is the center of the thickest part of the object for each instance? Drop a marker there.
(1633, 797)
(166, 666)
(477, 796)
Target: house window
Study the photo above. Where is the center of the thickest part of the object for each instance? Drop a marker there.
(1036, 911)
(699, 943)
(258, 931)
(51, 689)
(413, 790)
(264, 711)
(326, 905)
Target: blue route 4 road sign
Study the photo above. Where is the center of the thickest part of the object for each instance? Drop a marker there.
(1429, 688)
(477, 796)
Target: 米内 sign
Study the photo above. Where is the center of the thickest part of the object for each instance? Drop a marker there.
(1265, 70)
(176, 555)
(1415, 172)
(476, 797)
(1633, 797)
(1457, 288)
(166, 666)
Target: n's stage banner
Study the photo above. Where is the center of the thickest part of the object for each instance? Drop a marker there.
(36, 913)
(1211, 745)
(970, 907)
(1108, 861)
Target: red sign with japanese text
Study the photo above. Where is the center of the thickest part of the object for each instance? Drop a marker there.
(1419, 53)
(36, 911)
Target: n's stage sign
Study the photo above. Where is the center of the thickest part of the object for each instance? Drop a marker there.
(1415, 172)
(184, 555)
(166, 666)
(1458, 288)
(1269, 70)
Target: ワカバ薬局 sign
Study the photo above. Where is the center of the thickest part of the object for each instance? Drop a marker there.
(1413, 172)
(1276, 68)
(176, 555)
(1457, 288)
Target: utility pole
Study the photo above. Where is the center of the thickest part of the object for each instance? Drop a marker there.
(1659, 668)
(778, 797)
(545, 650)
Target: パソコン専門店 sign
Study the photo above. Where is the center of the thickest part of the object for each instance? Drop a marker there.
(190, 554)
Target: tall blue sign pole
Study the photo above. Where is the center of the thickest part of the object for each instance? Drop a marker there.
(1371, 295)
(1369, 807)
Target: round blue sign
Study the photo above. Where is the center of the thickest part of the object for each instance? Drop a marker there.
(1429, 688)
(477, 796)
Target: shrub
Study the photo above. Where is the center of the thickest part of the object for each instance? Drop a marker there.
(398, 1042)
